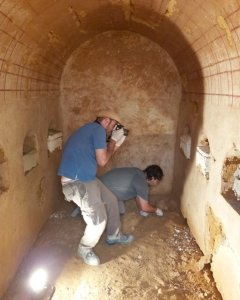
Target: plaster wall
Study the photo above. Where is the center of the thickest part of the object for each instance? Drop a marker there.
(132, 75)
(213, 221)
(26, 200)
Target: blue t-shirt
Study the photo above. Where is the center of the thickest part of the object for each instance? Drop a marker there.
(79, 156)
(126, 183)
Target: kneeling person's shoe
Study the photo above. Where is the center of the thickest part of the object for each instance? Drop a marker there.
(88, 256)
(120, 239)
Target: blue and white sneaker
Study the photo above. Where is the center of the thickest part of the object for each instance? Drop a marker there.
(120, 239)
(88, 256)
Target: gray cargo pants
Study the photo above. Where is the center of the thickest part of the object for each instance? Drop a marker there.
(99, 208)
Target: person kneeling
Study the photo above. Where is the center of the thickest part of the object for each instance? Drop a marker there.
(128, 183)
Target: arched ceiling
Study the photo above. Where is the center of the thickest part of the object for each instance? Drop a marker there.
(38, 36)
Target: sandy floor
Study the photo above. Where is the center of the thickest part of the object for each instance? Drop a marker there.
(163, 262)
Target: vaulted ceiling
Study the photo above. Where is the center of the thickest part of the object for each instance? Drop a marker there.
(38, 36)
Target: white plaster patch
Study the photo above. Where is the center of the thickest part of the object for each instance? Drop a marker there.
(203, 159)
(185, 145)
(55, 140)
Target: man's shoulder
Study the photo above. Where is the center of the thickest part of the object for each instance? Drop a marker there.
(138, 172)
(131, 172)
(131, 169)
(93, 127)
(127, 170)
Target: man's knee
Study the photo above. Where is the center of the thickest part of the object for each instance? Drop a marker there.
(99, 228)
(95, 215)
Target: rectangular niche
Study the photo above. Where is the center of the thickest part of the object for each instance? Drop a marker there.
(30, 160)
(55, 140)
(4, 180)
(230, 181)
(30, 152)
(203, 159)
(236, 183)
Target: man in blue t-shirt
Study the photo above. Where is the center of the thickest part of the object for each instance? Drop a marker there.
(129, 183)
(84, 150)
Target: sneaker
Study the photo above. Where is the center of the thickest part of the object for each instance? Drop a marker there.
(88, 256)
(120, 239)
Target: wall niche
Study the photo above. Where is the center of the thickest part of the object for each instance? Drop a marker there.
(203, 157)
(30, 152)
(230, 181)
(4, 178)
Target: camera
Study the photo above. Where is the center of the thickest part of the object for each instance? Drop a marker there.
(120, 126)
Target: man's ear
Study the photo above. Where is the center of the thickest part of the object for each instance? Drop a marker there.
(105, 122)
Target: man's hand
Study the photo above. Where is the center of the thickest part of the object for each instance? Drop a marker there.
(143, 213)
(117, 134)
(122, 139)
(159, 212)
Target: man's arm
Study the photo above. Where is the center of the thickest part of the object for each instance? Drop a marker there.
(144, 205)
(146, 208)
(103, 155)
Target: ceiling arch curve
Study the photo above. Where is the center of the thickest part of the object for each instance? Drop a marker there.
(40, 35)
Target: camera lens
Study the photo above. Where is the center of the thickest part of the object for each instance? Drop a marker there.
(119, 126)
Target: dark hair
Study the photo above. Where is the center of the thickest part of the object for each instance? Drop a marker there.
(153, 171)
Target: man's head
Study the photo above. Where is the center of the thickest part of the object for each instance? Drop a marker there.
(153, 174)
(108, 119)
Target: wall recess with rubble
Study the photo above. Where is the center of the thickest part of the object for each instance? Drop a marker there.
(55, 139)
(186, 142)
(30, 152)
(230, 183)
(203, 157)
(4, 182)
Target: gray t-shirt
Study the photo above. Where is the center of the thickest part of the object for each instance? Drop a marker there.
(126, 183)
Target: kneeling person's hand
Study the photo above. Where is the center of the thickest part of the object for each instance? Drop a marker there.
(143, 213)
(159, 212)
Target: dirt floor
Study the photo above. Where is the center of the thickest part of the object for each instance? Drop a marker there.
(163, 262)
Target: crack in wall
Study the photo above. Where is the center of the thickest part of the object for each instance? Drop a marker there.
(77, 17)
